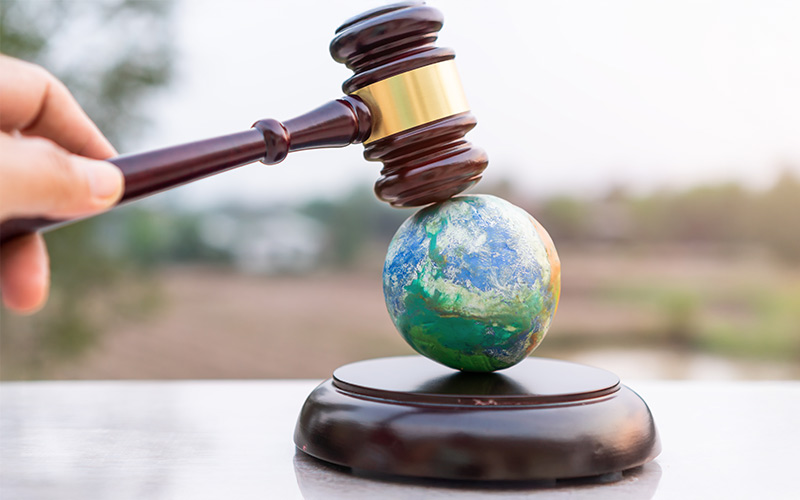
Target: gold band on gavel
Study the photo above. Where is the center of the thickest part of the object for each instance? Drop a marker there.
(413, 98)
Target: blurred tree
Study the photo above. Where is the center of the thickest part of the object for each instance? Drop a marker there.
(353, 222)
(111, 54)
(566, 219)
(713, 214)
(150, 238)
(778, 217)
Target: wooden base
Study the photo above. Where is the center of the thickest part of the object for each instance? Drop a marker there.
(539, 420)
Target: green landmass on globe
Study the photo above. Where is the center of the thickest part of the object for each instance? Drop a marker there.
(472, 283)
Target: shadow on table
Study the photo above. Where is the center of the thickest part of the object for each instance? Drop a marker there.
(321, 480)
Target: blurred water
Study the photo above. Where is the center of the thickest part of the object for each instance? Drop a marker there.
(680, 364)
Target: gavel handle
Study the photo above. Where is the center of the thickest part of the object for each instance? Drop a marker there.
(335, 124)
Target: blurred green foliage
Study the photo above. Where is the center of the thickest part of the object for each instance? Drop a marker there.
(726, 217)
(147, 238)
(750, 317)
(353, 223)
(111, 54)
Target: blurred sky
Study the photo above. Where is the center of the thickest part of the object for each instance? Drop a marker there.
(571, 97)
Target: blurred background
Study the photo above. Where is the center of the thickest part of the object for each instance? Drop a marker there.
(659, 143)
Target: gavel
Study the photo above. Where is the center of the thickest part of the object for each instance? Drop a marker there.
(404, 102)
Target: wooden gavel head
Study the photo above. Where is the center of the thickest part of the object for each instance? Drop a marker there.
(418, 109)
(404, 102)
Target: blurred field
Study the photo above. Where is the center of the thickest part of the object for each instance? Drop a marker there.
(700, 281)
(667, 313)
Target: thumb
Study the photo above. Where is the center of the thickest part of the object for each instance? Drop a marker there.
(39, 178)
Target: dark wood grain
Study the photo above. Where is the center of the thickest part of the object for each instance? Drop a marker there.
(388, 41)
(429, 163)
(335, 124)
(539, 420)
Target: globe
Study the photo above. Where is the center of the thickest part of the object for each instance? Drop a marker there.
(472, 283)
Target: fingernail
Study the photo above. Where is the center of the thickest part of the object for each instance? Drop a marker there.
(105, 181)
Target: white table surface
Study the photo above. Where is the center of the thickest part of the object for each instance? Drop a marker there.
(233, 440)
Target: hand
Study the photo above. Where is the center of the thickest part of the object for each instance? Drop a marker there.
(47, 146)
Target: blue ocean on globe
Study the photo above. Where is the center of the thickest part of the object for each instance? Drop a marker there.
(472, 282)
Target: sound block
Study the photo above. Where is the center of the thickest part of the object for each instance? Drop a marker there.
(542, 419)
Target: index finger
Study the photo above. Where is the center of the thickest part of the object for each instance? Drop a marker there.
(34, 102)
